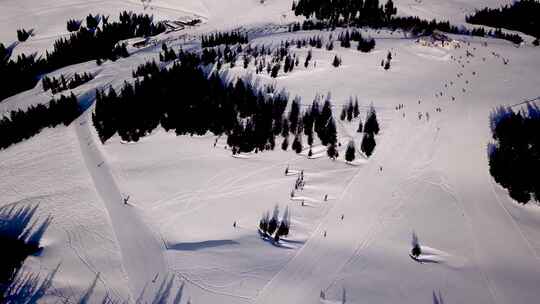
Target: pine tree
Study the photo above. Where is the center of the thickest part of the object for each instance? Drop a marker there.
(337, 61)
(297, 143)
(343, 114)
(416, 250)
(285, 143)
(332, 152)
(350, 152)
(273, 223)
(284, 226)
(356, 109)
(371, 125)
(350, 110)
(294, 114)
(360, 126)
(263, 223)
(368, 144)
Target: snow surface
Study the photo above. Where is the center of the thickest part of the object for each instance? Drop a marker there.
(175, 241)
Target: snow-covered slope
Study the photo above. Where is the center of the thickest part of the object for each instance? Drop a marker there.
(175, 240)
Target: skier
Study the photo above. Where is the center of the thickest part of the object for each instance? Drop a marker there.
(287, 170)
(126, 199)
(325, 233)
(292, 193)
(342, 216)
(325, 197)
(234, 224)
(302, 203)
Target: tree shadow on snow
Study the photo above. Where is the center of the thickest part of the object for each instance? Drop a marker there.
(194, 246)
(20, 234)
(164, 292)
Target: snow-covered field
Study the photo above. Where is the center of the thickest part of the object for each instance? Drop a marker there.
(175, 242)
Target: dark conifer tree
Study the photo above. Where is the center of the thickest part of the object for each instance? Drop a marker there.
(368, 143)
(350, 153)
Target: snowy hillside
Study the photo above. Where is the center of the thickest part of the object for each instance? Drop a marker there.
(173, 219)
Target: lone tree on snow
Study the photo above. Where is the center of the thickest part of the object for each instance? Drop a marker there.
(337, 61)
(415, 251)
(350, 152)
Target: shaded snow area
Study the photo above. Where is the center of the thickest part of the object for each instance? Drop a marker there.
(173, 219)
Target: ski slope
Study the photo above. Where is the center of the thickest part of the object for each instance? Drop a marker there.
(142, 256)
(175, 241)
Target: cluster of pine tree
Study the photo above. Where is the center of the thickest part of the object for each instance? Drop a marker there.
(514, 157)
(350, 110)
(84, 45)
(23, 35)
(73, 25)
(371, 13)
(272, 227)
(147, 68)
(226, 38)
(520, 16)
(60, 84)
(17, 75)
(364, 44)
(20, 125)
(422, 27)
(342, 12)
(187, 101)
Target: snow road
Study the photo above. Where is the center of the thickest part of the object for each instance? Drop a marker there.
(142, 252)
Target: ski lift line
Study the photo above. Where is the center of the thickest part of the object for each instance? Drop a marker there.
(526, 101)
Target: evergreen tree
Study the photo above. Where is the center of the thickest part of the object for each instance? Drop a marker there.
(263, 223)
(356, 110)
(284, 226)
(350, 110)
(297, 143)
(273, 223)
(285, 143)
(350, 153)
(337, 61)
(360, 126)
(294, 114)
(332, 151)
(371, 125)
(368, 144)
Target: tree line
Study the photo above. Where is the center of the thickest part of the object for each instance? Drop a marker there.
(87, 43)
(185, 99)
(60, 84)
(226, 38)
(520, 16)
(371, 13)
(514, 156)
(20, 125)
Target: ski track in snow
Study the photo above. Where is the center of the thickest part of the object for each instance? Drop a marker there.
(142, 253)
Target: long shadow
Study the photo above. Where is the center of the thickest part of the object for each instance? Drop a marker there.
(27, 288)
(194, 246)
(20, 235)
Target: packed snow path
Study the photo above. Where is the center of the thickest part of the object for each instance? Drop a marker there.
(141, 251)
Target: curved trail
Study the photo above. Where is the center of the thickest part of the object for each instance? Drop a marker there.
(141, 251)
